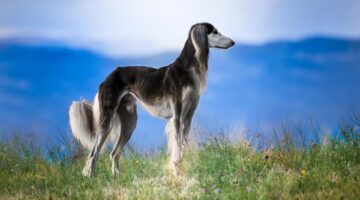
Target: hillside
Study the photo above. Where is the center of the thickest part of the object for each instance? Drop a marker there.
(257, 87)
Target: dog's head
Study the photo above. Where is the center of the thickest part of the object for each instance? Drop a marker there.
(205, 35)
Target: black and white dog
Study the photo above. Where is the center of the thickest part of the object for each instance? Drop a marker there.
(171, 92)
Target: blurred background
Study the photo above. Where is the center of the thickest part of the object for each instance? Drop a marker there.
(294, 61)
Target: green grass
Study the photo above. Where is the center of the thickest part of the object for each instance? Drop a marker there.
(215, 168)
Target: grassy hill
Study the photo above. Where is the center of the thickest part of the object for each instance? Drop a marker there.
(214, 168)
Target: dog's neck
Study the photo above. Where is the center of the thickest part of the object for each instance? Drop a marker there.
(192, 57)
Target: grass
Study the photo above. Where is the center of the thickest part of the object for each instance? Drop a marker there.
(215, 168)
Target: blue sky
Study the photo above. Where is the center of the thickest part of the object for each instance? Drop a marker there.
(263, 88)
(146, 27)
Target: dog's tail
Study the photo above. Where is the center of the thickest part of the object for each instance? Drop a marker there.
(83, 120)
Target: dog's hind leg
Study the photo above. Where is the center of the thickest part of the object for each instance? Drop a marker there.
(100, 140)
(94, 153)
(128, 118)
(108, 102)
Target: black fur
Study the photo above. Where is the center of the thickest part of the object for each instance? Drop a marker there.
(150, 84)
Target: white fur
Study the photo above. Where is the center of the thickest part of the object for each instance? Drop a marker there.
(174, 148)
(196, 46)
(201, 81)
(80, 125)
(96, 112)
(169, 131)
(161, 110)
(218, 40)
(130, 108)
(115, 128)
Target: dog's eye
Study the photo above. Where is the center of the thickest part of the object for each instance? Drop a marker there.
(215, 31)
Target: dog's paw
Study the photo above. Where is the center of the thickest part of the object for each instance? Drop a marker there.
(87, 171)
(115, 171)
(89, 168)
(174, 169)
(176, 173)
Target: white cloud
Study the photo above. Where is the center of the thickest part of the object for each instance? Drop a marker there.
(137, 27)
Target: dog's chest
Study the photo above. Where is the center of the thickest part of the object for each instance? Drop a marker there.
(199, 81)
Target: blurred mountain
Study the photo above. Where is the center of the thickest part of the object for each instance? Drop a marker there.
(249, 86)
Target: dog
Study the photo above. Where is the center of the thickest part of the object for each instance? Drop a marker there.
(171, 93)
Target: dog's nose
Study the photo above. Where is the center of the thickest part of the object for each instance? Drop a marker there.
(232, 43)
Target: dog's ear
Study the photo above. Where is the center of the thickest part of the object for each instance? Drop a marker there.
(199, 37)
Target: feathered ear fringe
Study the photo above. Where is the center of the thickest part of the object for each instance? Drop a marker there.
(200, 42)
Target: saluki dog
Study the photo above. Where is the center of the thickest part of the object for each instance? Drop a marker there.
(171, 92)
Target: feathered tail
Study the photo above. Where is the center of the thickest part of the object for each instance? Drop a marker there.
(83, 120)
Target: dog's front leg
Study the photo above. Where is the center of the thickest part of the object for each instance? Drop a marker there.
(175, 139)
(189, 107)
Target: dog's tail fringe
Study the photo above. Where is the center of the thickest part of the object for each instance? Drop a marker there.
(82, 123)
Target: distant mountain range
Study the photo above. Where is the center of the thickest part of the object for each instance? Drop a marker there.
(257, 87)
